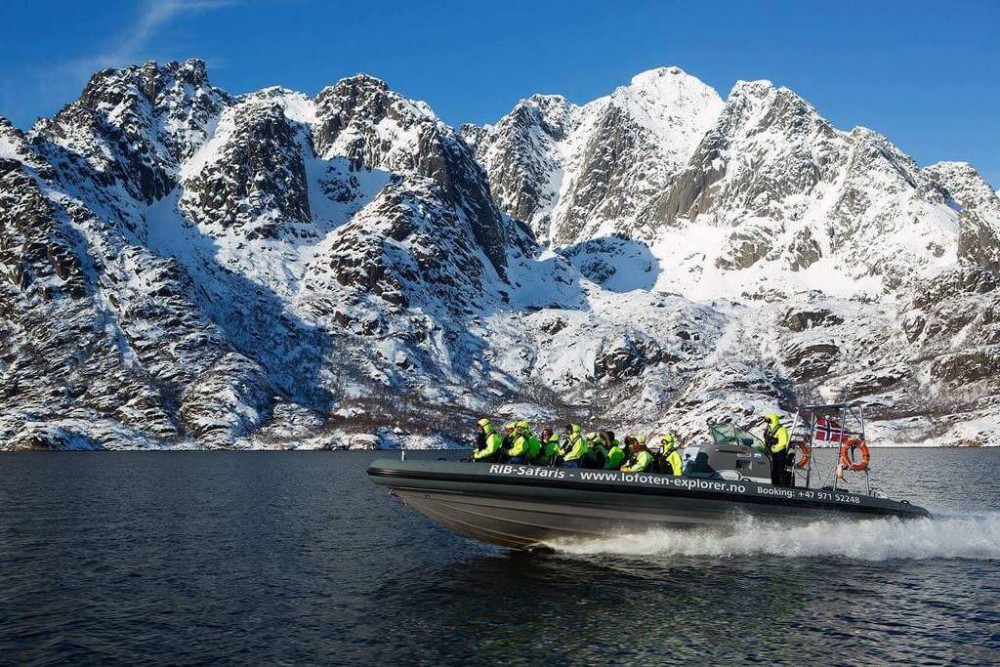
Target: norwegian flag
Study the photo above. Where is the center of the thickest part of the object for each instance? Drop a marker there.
(827, 430)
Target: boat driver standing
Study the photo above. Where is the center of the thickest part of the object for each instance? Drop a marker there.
(776, 441)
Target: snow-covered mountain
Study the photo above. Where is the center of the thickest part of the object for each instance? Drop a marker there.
(184, 267)
(575, 172)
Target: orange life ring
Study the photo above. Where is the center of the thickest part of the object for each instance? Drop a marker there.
(806, 453)
(845, 455)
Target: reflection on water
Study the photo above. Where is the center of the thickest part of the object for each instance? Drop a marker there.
(296, 557)
(630, 609)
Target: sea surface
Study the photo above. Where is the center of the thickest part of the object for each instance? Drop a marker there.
(296, 558)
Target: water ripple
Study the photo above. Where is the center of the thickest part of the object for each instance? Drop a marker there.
(296, 558)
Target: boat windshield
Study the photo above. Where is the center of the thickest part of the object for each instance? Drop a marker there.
(729, 434)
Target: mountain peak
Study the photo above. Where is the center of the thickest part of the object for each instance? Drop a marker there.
(363, 91)
(6, 126)
(297, 106)
(12, 144)
(667, 99)
(150, 77)
(758, 87)
(668, 85)
(193, 69)
(953, 165)
(652, 76)
(669, 106)
(763, 90)
(161, 113)
(547, 104)
(362, 81)
(542, 99)
(964, 183)
(360, 84)
(550, 112)
(756, 104)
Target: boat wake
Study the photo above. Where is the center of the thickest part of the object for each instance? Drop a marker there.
(966, 536)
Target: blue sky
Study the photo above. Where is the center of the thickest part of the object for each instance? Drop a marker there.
(926, 74)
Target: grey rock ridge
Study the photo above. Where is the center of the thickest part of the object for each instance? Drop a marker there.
(185, 268)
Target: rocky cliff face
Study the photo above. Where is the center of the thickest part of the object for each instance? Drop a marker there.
(575, 172)
(375, 128)
(183, 267)
(979, 206)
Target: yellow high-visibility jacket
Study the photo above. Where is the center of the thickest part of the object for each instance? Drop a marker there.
(494, 443)
(643, 462)
(578, 448)
(674, 459)
(519, 447)
(781, 435)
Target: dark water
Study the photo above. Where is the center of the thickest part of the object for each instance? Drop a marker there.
(296, 558)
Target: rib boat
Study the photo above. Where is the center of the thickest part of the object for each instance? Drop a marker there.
(725, 481)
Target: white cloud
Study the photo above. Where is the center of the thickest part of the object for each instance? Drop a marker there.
(156, 15)
(55, 84)
(131, 46)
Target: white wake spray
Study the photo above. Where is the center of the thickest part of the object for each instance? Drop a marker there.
(968, 536)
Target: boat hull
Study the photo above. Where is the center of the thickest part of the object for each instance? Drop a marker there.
(527, 506)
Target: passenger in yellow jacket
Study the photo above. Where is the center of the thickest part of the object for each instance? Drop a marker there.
(492, 443)
(534, 445)
(576, 447)
(597, 453)
(550, 449)
(509, 434)
(525, 447)
(671, 455)
(643, 459)
(618, 453)
(518, 449)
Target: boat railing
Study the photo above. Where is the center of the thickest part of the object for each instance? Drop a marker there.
(844, 420)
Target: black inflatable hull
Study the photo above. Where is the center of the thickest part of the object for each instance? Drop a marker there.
(527, 506)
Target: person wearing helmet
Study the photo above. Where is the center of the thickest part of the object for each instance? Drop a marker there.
(550, 448)
(776, 442)
(492, 443)
(576, 447)
(643, 459)
(670, 455)
(618, 453)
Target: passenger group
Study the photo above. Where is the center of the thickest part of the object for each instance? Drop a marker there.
(602, 450)
(598, 450)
